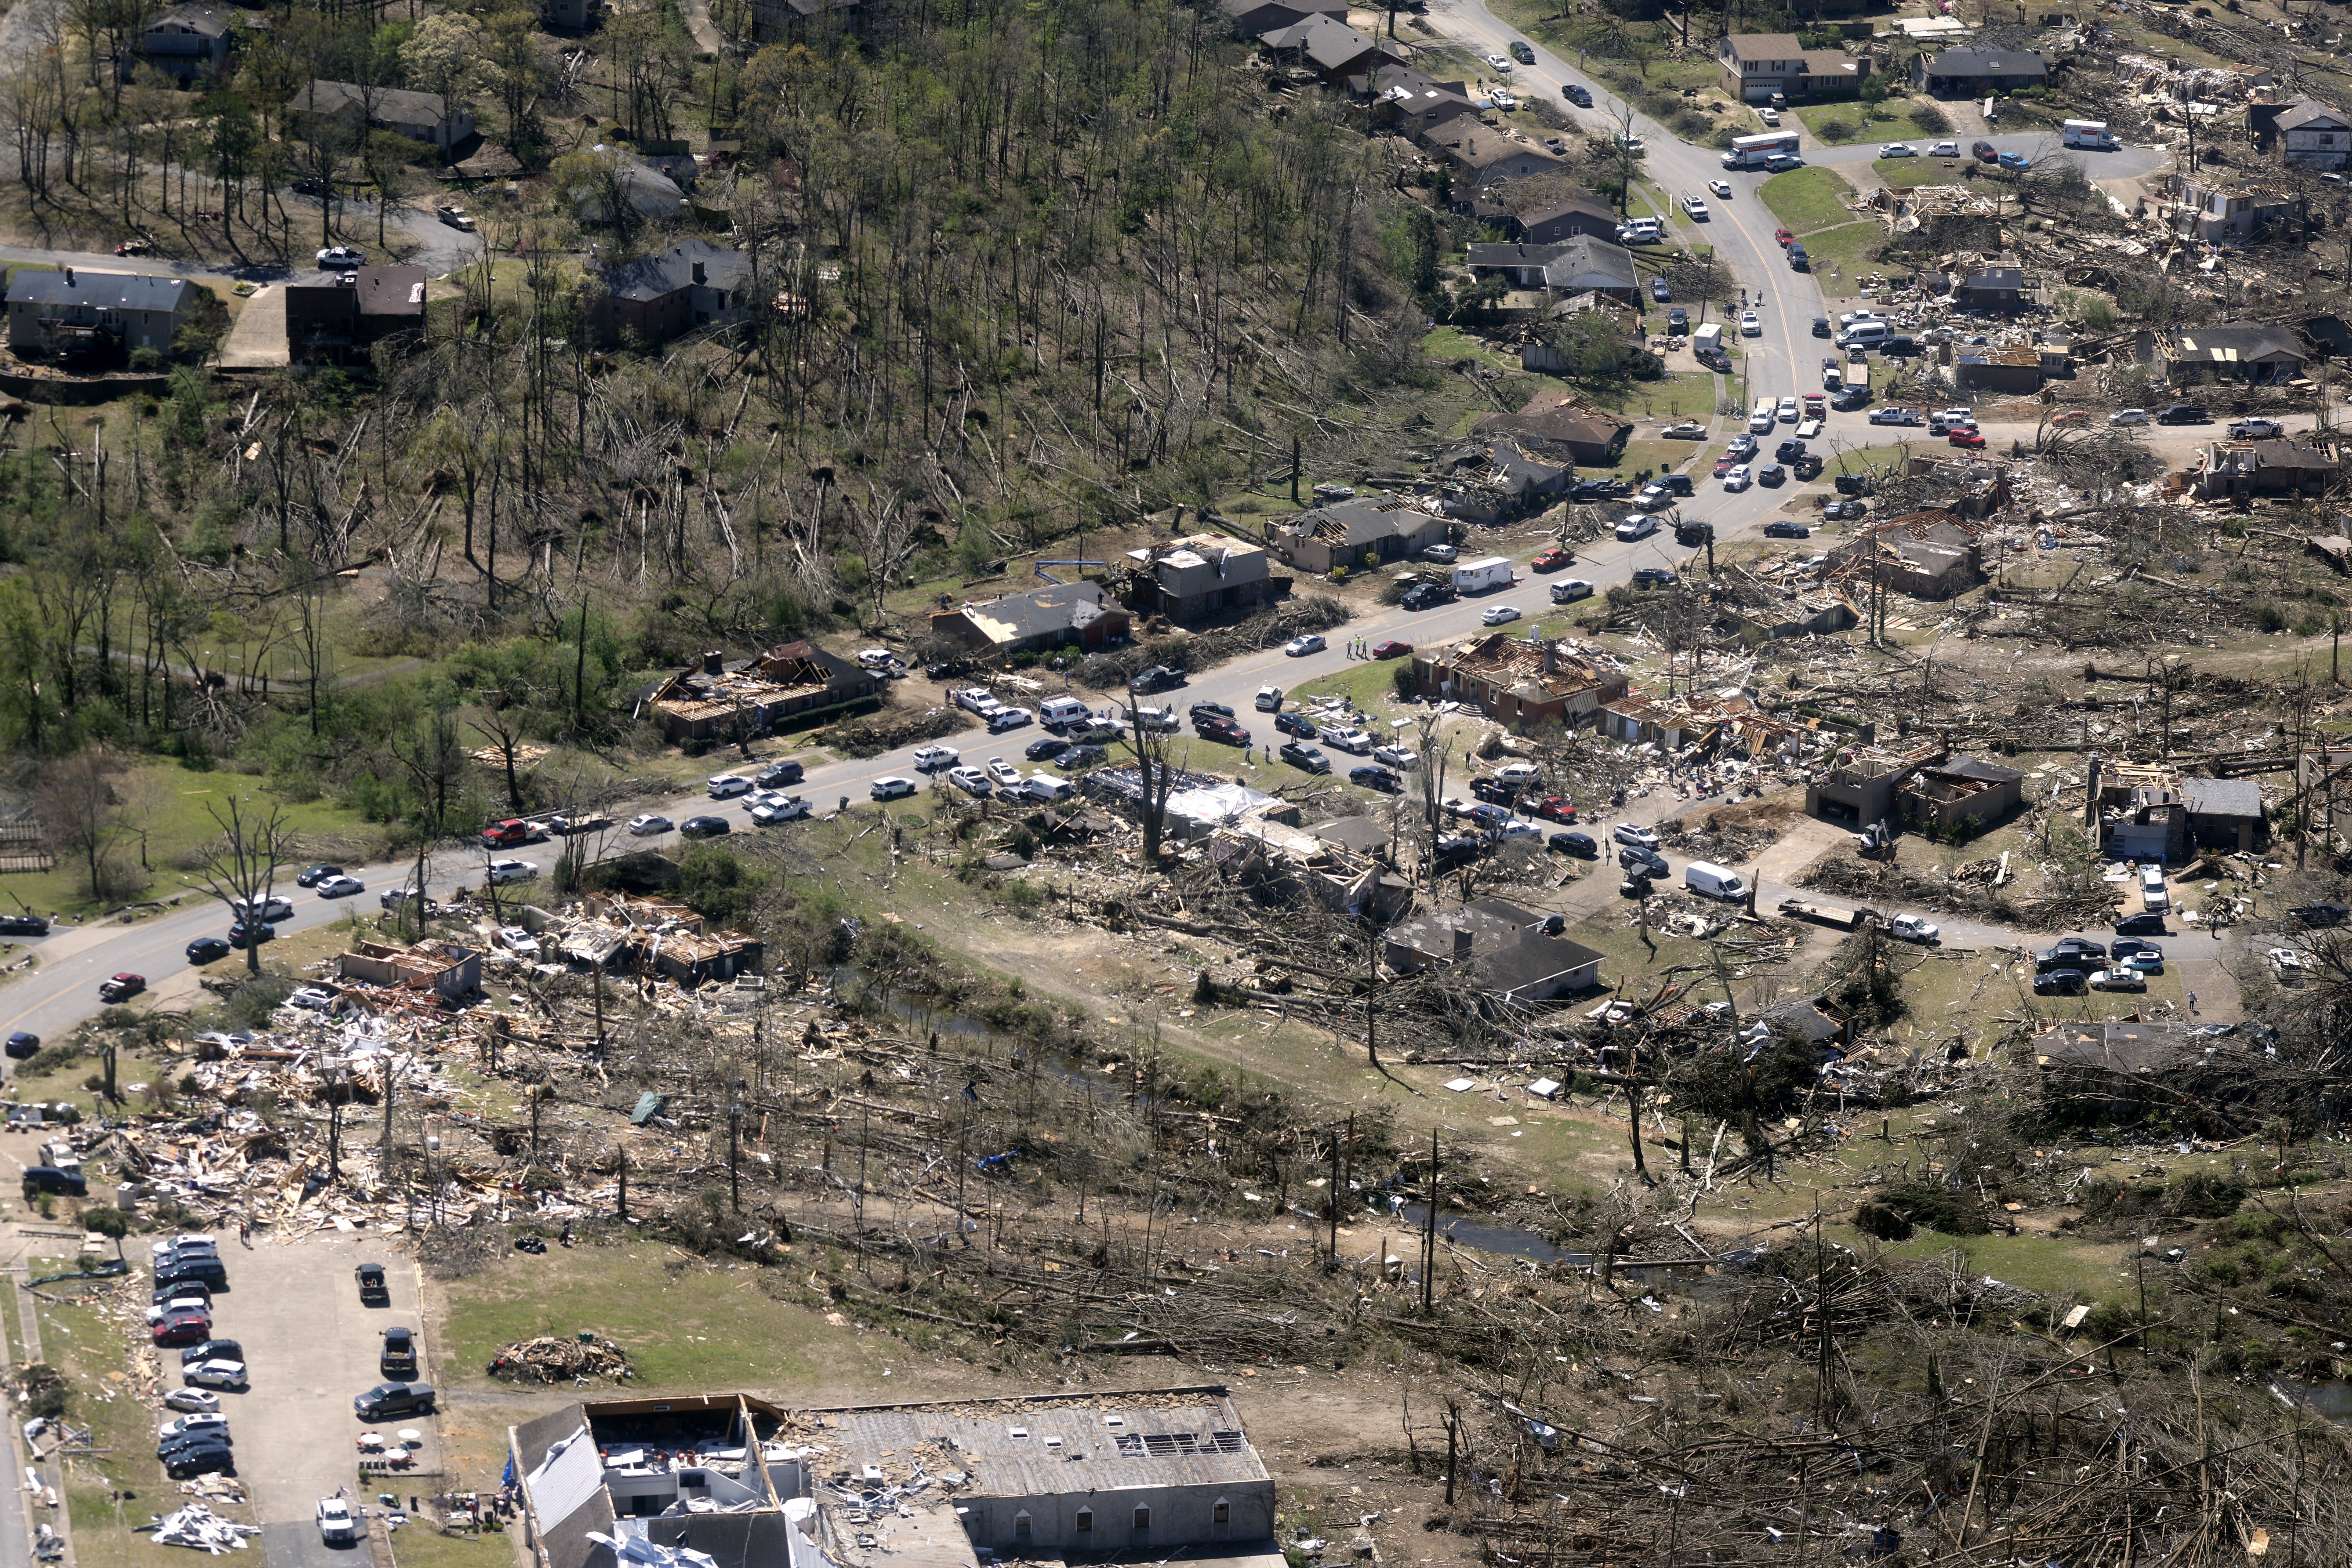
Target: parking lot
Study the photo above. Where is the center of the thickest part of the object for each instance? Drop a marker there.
(309, 1347)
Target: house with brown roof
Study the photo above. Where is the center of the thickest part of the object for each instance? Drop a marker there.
(1755, 66)
(1566, 218)
(1483, 157)
(1408, 101)
(1553, 426)
(1516, 682)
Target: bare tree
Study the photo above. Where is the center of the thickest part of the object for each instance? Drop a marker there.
(241, 868)
(439, 771)
(79, 801)
(1156, 773)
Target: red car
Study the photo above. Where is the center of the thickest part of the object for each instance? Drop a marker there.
(1552, 560)
(1965, 439)
(1554, 808)
(1783, 236)
(1725, 464)
(501, 835)
(1985, 152)
(1390, 649)
(122, 986)
(183, 1328)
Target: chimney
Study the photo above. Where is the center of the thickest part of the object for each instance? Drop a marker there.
(1462, 939)
(713, 662)
(700, 275)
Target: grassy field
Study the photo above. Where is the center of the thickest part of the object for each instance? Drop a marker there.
(1867, 122)
(1906, 172)
(1844, 253)
(1807, 199)
(1675, 397)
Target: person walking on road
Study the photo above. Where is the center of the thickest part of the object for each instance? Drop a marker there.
(2193, 1004)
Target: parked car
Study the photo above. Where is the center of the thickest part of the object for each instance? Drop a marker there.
(1080, 756)
(336, 1526)
(1913, 928)
(1655, 577)
(1898, 150)
(208, 950)
(1634, 834)
(971, 781)
(2184, 414)
(1498, 614)
(775, 775)
(1158, 678)
(1967, 438)
(2059, 982)
(1299, 755)
(215, 1459)
(1648, 860)
(242, 936)
(1046, 749)
(1224, 731)
(1372, 776)
(892, 788)
(1772, 476)
(389, 1399)
(1569, 590)
(1577, 844)
(215, 1374)
(22, 1044)
(23, 925)
(1401, 758)
(1304, 644)
(1005, 719)
(201, 1400)
(778, 808)
(2140, 925)
(2255, 429)
(2119, 979)
(506, 873)
(1295, 724)
(336, 256)
(1554, 808)
(726, 787)
(648, 825)
(1895, 414)
(2320, 914)
(119, 987)
(1552, 560)
(1390, 648)
(314, 875)
(1354, 741)
(2074, 952)
(1781, 529)
(1739, 477)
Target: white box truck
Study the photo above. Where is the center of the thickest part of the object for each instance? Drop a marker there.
(1478, 576)
(1708, 340)
(1713, 881)
(2091, 133)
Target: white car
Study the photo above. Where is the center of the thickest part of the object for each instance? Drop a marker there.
(517, 940)
(1161, 719)
(1499, 100)
(1500, 615)
(1944, 150)
(335, 1522)
(214, 1374)
(1898, 150)
(1634, 834)
(778, 808)
(1739, 478)
(1721, 188)
(1497, 62)
(1787, 411)
(1768, 116)
(202, 1421)
(1852, 318)
(1519, 773)
(1749, 327)
(971, 781)
(1401, 758)
(203, 1401)
(877, 657)
(1003, 771)
(648, 825)
(1570, 589)
(505, 873)
(1955, 417)
(1695, 207)
(931, 759)
(892, 788)
(1299, 647)
(1519, 827)
(343, 255)
(1355, 742)
(2290, 964)
(726, 787)
(341, 886)
(311, 998)
(1005, 719)
(2128, 417)
(1911, 928)
(976, 699)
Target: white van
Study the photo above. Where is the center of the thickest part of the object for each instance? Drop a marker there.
(1045, 789)
(1269, 698)
(1865, 334)
(1056, 712)
(1713, 881)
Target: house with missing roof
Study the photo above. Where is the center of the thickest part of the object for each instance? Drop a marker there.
(730, 1482)
(77, 311)
(1551, 425)
(2227, 204)
(1035, 620)
(654, 299)
(1366, 531)
(724, 698)
(1197, 578)
(1509, 952)
(2153, 812)
(1516, 682)
(1959, 793)
(2306, 467)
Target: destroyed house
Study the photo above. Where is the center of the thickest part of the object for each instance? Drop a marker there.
(1972, 72)
(1336, 867)
(1780, 612)
(1196, 804)
(2124, 1047)
(728, 699)
(1814, 1019)
(2269, 469)
(1728, 724)
(1516, 682)
(687, 1481)
(1990, 288)
(450, 972)
(1502, 947)
(1060, 615)
(2263, 353)
(1926, 554)
(672, 940)
(1201, 576)
(1494, 482)
(2149, 811)
(1859, 787)
(2010, 369)
(1952, 796)
(1355, 533)
(2129, 1068)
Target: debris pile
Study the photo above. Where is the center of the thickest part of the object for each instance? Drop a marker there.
(199, 1527)
(551, 1358)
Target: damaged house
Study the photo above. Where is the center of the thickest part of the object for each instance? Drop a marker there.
(1035, 620)
(726, 699)
(2234, 468)
(1205, 575)
(1367, 530)
(1492, 482)
(451, 973)
(1517, 683)
(1551, 425)
(1859, 787)
(1503, 949)
(2315, 136)
(2153, 812)
(670, 940)
(2224, 204)
(1481, 157)
(1964, 794)
(1408, 101)
(2261, 352)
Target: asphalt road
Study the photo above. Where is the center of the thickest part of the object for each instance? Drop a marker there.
(2120, 163)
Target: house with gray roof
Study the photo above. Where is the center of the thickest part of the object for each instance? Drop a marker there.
(1591, 264)
(1059, 615)
(1332, 48)
(2317, 137)
(187, 43)
(1973, 72)
(1483, 157)
(2261, 352)
(1566, 218)
(670, 293)
(1344, 534)
(424, 117)
(1507, 952)
(2224, 814)
(77, 311)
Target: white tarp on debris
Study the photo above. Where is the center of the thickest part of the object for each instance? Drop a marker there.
(199, 1527)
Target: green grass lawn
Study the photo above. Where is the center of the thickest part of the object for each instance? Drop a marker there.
(1907, 171)
(1677, 396)
(1866, 121)
(1854, 459)
(1807, 199)
(1849, 251)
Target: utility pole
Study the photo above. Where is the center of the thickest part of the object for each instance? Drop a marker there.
(1335, 1201)
(1429, 1233)
(734, 1165)
(625, 1183)
(387, 1110)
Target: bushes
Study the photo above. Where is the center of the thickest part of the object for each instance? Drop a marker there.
(1944, 1209)
(1931, 120)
